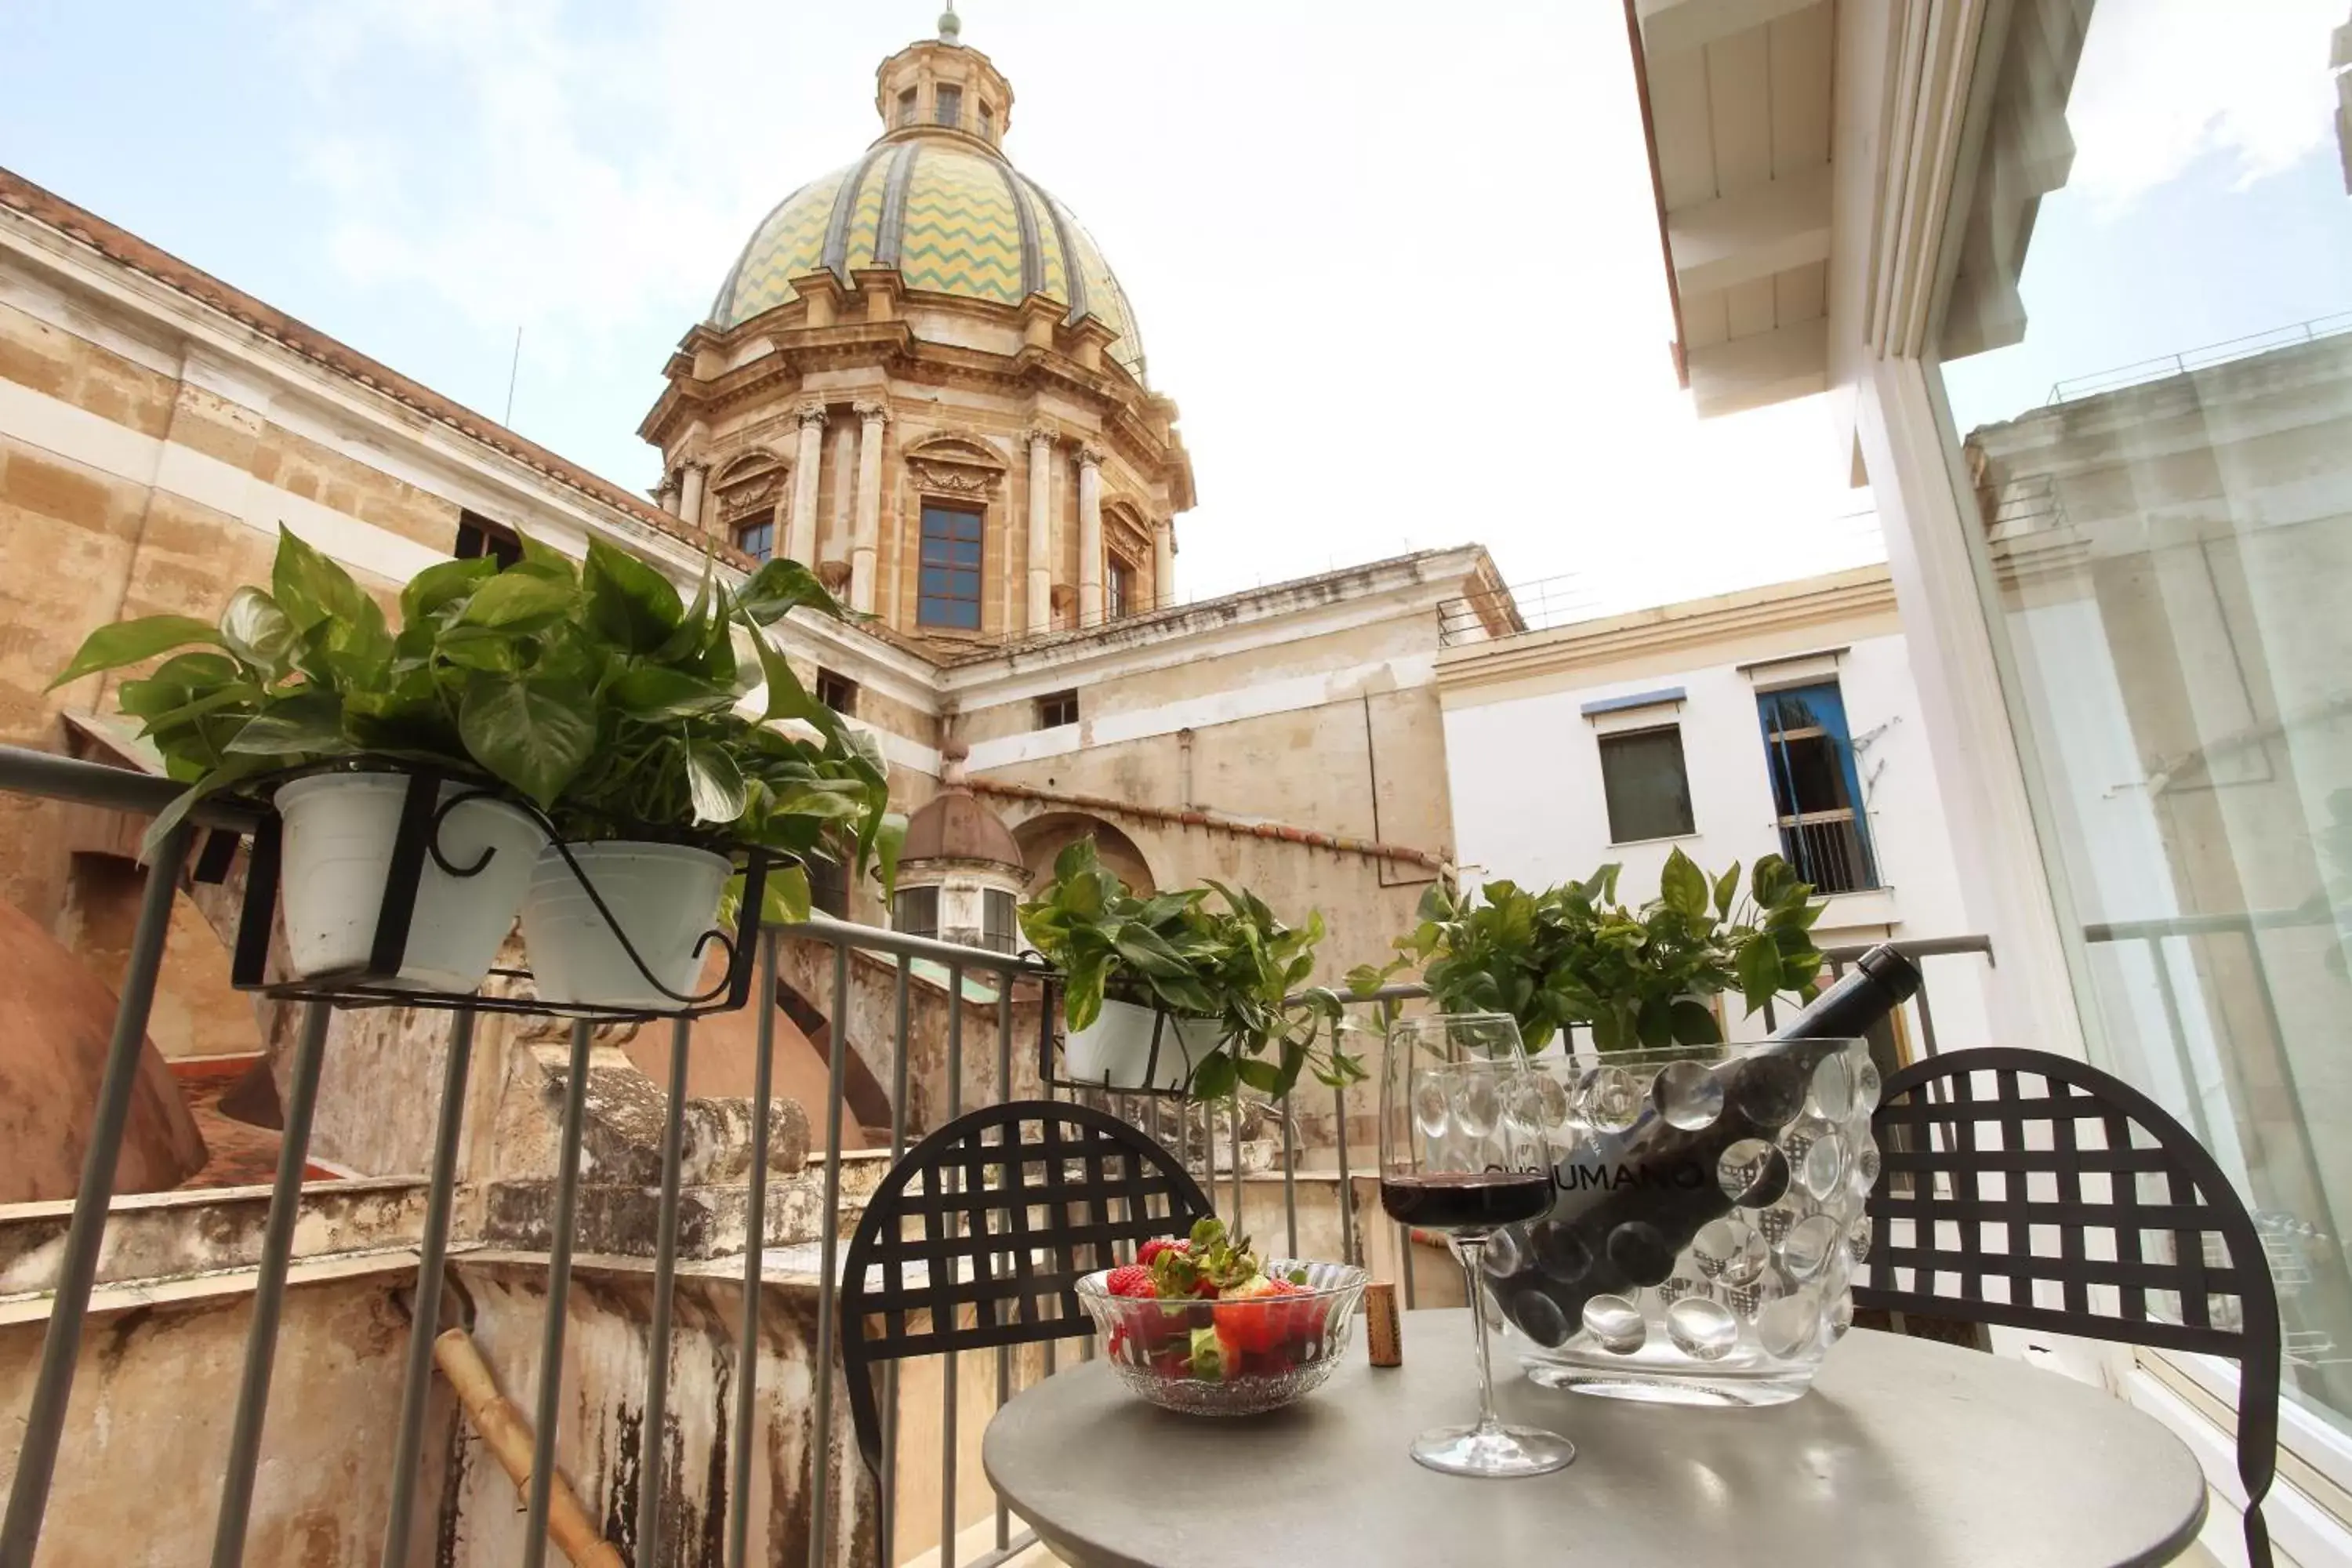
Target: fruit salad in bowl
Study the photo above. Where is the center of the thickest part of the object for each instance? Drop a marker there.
(1202, 1324)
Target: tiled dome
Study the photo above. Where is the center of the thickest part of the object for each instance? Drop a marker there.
(952, 219)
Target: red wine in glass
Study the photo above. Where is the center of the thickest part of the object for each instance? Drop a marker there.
(1466, 1200)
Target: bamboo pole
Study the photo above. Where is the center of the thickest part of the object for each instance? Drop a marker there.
(509, 1438)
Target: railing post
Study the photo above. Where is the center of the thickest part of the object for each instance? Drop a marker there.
(559, 1299)
(425, 1315)
(269, 1292)
(949, 1512)
(36, 1457)
(886, 1526)
(652, 1448)
(755, 1242)
(828, 1263)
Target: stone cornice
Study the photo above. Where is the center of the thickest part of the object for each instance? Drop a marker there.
(1865, 593)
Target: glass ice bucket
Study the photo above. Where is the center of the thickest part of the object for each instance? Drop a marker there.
(1706, 1219)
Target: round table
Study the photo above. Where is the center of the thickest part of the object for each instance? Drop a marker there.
(1905, 1452)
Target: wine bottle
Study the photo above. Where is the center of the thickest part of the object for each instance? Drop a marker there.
(1628, 1202)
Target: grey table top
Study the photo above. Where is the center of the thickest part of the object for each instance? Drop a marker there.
(1906, 1452)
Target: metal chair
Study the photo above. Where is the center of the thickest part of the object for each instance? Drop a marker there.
(1013, 1204)
(1982, 1150)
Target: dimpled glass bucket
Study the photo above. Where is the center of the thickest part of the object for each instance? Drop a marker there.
(1706, 1219)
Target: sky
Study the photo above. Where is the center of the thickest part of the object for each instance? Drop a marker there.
(1396, 264)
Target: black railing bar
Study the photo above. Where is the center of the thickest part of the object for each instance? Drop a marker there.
(1927, 1018)
(653, 1448)
(1004, 1352)
(1923, 947)
(24, 771)
(1347, 1180)
(1233, 1141)
(37, 1456)
(755, 1246)
(269, 1291)
(2214, 925)
(549, 1403)
(2178, 1029)
(829, 1252)
(425, 1315)
(1289, 1180)
(954, 1183)
(887, 1527)
(874, 938)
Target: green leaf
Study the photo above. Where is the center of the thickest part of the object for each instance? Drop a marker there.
(1759, 968)
(630, 605)
(306, 722)
(1694, 1023)
(1683, 886)
(889, 838)
(715, 783)
(780, 586)
(131, 642)
(309, 588)
(544, 560)
(440, 583)
(656, 691)
(533, 732)
(1216, 1077)
(518, 602)
(1263, 1075)
(1726, 889)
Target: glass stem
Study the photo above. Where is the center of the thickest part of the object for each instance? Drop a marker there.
(1468, 1249)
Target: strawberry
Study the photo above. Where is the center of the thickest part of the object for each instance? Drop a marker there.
(1133, 1280)
(1247, 1318)
(1157, 1244)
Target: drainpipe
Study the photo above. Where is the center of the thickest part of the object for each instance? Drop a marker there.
(1184, 770)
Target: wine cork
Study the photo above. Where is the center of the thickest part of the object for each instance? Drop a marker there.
(1382, 1331)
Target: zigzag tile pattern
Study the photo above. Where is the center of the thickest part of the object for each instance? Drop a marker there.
(789, 242)
(866, 217)
(961, 236)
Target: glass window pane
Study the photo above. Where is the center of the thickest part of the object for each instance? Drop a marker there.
(2147, 371)
(1642, 777)
(950, 103)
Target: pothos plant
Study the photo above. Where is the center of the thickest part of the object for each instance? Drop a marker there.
(1234, 964)
(592, 690)
(1634, 976)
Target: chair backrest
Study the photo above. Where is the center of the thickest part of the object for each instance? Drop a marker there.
(2035, 1191)
(977, 1236)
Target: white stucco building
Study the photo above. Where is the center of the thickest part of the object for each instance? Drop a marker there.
(1776, 720)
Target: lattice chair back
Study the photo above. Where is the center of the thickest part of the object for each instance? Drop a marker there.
(977, 1238)
(2030, 1190)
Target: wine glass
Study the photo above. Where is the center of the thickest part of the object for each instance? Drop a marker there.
(1460, 1153)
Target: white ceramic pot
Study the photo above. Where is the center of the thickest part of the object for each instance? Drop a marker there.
(666, 896)
(1115, 1050)
(339, 830)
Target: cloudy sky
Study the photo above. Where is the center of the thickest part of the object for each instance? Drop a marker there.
(1397, 263)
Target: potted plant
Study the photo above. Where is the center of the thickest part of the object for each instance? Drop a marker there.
(1138, 1014)
(1216, 991)
(595, 695)
(1635, 977)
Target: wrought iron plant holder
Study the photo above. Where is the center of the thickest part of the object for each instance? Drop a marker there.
(423, 810)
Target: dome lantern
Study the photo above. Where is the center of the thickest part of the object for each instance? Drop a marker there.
(941, 88)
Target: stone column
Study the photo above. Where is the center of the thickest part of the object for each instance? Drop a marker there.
(863, 542)
(689, 506)
(1163, 563)
(1041, 531)
(1090, 544)
(800, 536)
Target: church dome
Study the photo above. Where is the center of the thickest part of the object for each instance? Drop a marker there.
(951, 218)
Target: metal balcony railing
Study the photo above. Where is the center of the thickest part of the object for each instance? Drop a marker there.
(1828, 850)
(1195, 1133)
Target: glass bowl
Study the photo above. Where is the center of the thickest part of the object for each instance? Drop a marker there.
(1229, 1358)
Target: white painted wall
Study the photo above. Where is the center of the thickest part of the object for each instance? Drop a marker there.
(1524, 773)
